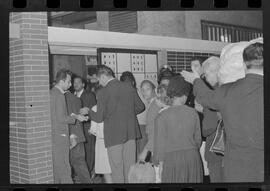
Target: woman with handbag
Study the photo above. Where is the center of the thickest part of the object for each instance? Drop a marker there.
(157, 103)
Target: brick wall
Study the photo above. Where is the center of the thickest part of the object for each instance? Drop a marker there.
(30, 126)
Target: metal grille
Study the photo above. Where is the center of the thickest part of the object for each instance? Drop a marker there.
(228, 33)
(181, 60)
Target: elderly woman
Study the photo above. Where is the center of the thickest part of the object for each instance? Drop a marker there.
(241, 106)
(157, 103)
(178, 138)
(210, 69)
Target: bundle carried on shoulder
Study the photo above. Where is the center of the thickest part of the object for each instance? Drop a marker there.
(232, 66)
(142, 172)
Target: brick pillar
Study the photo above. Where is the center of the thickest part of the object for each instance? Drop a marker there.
(30, 124)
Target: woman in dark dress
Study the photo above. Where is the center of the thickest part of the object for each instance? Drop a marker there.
(178, 138)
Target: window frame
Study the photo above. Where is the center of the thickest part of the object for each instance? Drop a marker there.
(230, 32)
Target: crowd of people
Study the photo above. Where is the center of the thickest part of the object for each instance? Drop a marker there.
(163, 123)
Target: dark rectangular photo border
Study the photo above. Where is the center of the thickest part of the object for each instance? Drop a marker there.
(141, 5)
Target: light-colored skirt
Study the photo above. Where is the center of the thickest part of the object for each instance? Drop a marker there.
(102, 165)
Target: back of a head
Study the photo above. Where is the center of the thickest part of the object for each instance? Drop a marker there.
(253, 55)
(211, 64)
(128, 77)
(61, 75)
(178, 87)
(105, 70)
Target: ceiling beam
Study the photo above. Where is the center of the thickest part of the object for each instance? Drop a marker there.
(59, 36)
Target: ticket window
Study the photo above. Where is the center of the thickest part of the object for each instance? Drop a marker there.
(142, 63)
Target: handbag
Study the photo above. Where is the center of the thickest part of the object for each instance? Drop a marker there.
(218, 144)
(142, 172)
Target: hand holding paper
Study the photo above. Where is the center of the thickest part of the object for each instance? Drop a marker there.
(84, 111)
(73, 141)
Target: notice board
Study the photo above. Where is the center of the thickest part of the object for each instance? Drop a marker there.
(142, 63)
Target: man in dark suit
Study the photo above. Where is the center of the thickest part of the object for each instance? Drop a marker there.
(88, 100)
(77, 139)
(60, 132)
(117, 106)
(241, 106)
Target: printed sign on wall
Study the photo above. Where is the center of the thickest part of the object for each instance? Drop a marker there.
(109, 59)
(143, 66)
(137, 63)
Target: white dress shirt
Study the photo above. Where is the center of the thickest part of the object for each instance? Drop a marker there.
(78, 94)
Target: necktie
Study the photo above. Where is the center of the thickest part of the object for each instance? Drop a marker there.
(77, 94)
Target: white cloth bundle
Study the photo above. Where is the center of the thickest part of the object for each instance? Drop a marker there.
(97, 128)
(232, 66)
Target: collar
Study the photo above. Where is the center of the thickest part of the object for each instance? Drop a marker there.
(62, 91)
(67, 91)
(109, 81)
(164, 108)
(254, 71)
(78, 94)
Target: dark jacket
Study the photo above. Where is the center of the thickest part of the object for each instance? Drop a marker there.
(242, 110)
(59, 116)
(117, 105)
(88, 100)
(74, 105)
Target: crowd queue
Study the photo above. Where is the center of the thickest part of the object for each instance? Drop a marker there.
(161, 124)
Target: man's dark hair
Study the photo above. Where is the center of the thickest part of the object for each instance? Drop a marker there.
(167, 74)
(92, 70)
(253, 55)
(201, 59)
(128, 77)
(178, 87)
(102, 69)
(62, 75)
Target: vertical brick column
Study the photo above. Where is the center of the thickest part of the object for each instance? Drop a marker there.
(30, 125)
